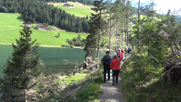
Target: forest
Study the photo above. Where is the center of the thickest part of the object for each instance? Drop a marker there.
(152, 73)
(40, 12)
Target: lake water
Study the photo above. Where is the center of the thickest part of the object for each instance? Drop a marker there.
(53, 58)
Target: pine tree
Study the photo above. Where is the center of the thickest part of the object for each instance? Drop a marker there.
(96, 25)
(118, 19)
(22, 69)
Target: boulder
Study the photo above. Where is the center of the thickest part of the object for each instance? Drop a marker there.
(89, 64)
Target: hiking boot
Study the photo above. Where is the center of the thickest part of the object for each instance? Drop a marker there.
(112, 83)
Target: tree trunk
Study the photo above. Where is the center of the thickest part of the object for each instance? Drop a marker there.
(138, 21)
(110, 38)
(98, 45)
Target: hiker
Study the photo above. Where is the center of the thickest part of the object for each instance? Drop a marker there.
(119, 53)
(115, 66)
(129, 50)
(106, 60)
(122, 51)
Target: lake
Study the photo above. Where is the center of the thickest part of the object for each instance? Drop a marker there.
(53, 58)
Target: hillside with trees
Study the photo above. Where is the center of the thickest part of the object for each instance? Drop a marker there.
(41, 12)
(86, 2)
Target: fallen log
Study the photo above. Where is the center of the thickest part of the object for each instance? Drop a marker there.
(173, 73)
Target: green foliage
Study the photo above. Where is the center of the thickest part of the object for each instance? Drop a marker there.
(141, 81)
(72, 79)
(22, 69)
(91, 90)
(58, 35)
(141, 74)
(151, 41)
(97, 25)
(76, 41)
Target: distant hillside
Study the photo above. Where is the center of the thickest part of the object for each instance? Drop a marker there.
(10, 26)
(41, 12)
(86, 2)
(78, 10)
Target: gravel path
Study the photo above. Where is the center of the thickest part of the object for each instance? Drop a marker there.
(112, 93)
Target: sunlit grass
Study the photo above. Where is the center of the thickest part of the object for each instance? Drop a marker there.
(10, 27)
(78, 10)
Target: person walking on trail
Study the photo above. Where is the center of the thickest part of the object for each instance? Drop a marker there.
(122, 51)
(129, 50)
(119, 53)
(115, 66)
(106, 60)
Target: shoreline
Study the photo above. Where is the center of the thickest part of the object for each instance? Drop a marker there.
(43, 46)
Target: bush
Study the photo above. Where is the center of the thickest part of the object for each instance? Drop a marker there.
(141, 81)
(76, 41)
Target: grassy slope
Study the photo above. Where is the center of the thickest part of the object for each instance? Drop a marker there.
(10, 26)
(89, 91)
(141, 82)
(78, 10)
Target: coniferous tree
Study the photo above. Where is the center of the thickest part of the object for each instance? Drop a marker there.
(22, 69)
(118, 19)
(96, 27)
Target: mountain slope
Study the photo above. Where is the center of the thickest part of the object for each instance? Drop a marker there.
(10, 26)
(78, 10)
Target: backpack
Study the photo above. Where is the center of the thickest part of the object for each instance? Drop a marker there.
(118, 55)
(107, 60)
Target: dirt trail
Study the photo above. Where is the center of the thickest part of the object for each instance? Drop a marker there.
(112, 93)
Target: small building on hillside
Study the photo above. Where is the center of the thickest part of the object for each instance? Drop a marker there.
(68, 5)
(41, 26)
(27, 24)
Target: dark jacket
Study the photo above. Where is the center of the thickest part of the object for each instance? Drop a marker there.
(106, 60)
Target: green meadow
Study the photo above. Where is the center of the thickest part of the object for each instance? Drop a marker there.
(10, 26)
(78, 10)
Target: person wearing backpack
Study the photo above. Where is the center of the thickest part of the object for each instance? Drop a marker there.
(119, 53)
(122, 51)
(115, 66)
(129, 50)
(106, 60)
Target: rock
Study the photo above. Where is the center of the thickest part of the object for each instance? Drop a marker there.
(89, 64)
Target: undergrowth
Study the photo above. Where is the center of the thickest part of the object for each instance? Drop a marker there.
(91, 91)
(141, 81)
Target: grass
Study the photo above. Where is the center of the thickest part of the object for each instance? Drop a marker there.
(72, 79)
(89, 92)
(10, 26)
(141, 82)
(78, 10)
